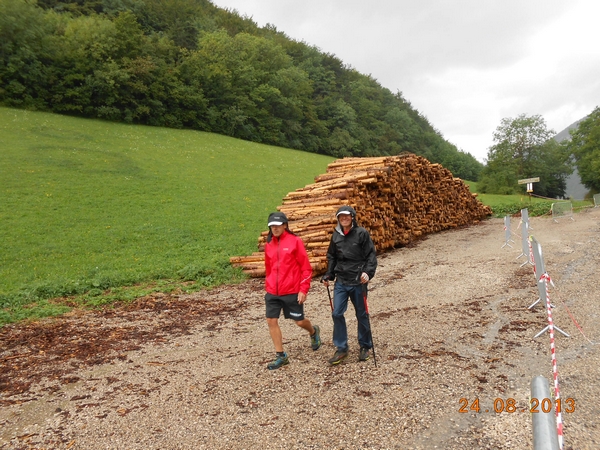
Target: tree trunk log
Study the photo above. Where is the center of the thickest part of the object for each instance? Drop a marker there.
(398, 199)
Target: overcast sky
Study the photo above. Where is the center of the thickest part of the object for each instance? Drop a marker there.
(464, 64)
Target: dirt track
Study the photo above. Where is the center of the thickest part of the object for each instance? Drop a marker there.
(450, 321)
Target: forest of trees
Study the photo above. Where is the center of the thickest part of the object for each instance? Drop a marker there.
(525, 148)
(190, 64)
(584, 145)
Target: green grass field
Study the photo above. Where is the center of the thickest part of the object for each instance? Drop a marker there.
(99, 212)
(88, 205)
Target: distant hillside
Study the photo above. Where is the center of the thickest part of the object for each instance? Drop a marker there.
(189, 64)
(575, 189)
(565, 134)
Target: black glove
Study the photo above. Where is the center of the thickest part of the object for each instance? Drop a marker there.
(325, 278)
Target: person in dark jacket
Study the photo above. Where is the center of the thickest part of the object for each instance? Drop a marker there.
(287, 281)
(352, 262)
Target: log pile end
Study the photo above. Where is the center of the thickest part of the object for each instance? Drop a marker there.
(399, 199)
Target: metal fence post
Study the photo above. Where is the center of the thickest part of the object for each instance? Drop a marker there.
(507, 232)
(545, 434)
(562, 209)
(525, 250)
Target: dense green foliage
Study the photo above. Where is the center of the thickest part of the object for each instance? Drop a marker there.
(189, 64)
(525, 149)
(90, 205)
(509, 205)
(585, 146)
(503, 205)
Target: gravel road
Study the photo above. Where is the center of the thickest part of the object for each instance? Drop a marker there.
(450, 321)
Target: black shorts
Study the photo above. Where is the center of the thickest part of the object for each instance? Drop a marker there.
(289, 303)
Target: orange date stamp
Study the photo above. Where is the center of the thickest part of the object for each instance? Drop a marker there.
(509, 405)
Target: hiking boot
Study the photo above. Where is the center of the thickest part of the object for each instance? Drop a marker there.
(279, 361)
(364, 354)
(315, 339)
(338, 357)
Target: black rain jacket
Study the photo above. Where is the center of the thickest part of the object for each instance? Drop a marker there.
(350, 255)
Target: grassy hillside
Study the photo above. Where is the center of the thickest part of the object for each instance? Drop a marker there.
(88, 205)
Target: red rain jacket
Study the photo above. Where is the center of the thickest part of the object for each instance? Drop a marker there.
(288, 270)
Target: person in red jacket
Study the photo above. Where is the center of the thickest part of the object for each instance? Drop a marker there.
(288, 275)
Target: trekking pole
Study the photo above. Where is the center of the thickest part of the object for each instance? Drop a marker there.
(330, 301)
(364, 290)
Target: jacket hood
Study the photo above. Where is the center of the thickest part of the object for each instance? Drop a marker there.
(345, 210)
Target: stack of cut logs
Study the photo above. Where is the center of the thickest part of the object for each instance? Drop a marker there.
(397, 198)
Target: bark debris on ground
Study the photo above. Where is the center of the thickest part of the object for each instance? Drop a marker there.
(451, 325)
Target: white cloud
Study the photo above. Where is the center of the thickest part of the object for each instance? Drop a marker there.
(464, 64)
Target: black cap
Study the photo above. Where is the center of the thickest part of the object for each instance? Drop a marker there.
(277, 218)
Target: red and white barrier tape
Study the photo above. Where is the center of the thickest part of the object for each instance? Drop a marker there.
(570, 314)
(559, 424)
(531, 258)
(512, 233)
